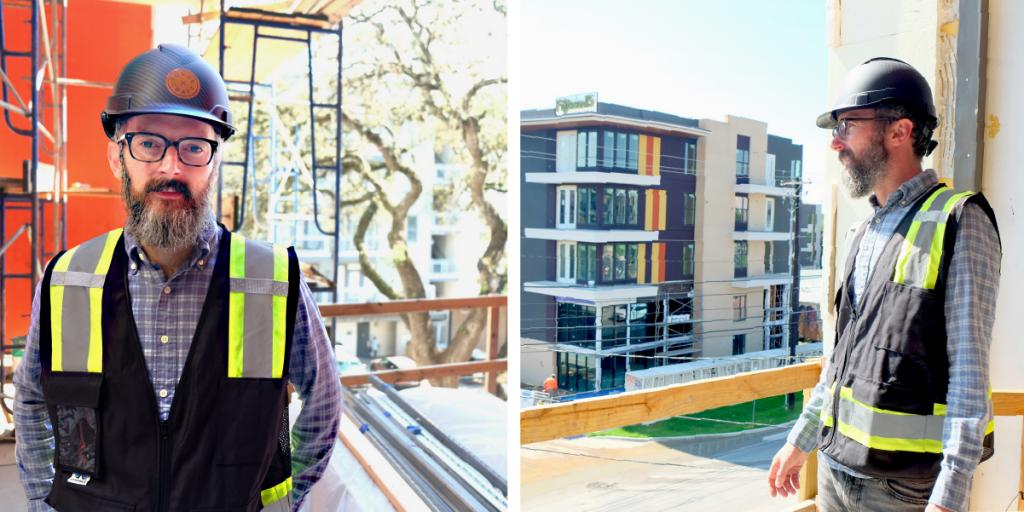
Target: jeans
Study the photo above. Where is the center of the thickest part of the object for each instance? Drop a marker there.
(839, 491)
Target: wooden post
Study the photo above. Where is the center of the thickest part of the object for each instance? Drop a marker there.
(809, 473)
(1020, 483)
(491, 380)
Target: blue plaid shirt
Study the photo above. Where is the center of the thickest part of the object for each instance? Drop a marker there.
(166, 313)
(971, 291)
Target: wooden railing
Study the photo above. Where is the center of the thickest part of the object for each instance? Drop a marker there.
(491, 366)
(547, 422)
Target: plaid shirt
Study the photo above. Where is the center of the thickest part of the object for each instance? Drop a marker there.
(971, 291)
(166, 314)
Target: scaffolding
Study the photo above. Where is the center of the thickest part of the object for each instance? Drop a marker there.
(41, 183)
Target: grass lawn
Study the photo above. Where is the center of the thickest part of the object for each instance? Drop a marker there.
(770, 410)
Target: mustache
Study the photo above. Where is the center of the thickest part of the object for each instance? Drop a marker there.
(169, 186)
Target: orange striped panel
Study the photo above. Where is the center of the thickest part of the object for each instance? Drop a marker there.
(648, 147)
(641, 156)
(641, 263)
(661, 266)
(662, 207)
(656, 157)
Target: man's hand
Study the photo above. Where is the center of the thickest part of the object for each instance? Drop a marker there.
(936, 508)
(784, 477)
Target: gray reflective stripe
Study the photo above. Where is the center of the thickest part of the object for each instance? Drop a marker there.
(259, 286)
(259, 334)
(83, 279)
(916, 256)
(75, 321)
(901, 426)
(87, 256)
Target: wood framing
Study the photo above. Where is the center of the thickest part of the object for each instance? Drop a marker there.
(548, 422)
(395, 488)
(429, 372)
(395, 307)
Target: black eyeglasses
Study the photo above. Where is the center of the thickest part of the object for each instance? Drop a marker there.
(842, 128)
(152, 147)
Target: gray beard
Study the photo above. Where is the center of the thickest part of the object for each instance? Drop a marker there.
(864, 172)
(169, 228)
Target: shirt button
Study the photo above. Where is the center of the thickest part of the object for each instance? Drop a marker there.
(163, 393)
(877, 220)
(167, 290)
(134, 266)
(202, 262)
(164, 339)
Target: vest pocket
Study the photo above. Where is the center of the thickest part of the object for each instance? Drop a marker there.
(64, 497)
(75, 398)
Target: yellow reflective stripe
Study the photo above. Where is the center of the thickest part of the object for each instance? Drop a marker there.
(280, 308)
(935, 251)
(94, 362)
(908, 243)
(939, 410)
(890, 443)
(57, 314)
(108, 251)
(268, 496)
(236, 309)
(991, 427)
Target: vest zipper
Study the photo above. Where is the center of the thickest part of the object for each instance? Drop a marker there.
(163, 486)
(839, 379)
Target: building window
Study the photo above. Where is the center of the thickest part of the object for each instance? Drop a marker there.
(739, 307)
(608, 204)
(565, 160)
(607, 257)
(740, 258)
(687, 258)
(412, 229)
(631, 259)
(620, 150)
(567, 262)
(620, 206)
(587, 206)
(607, 160)
(690, 157)
(742, 212)
(587, 266)
(768, 264)
(634, 151)
(586, 149)
(567, 207)
(742, 155)
(739, 344)
(632, 201)
(794, 169)
(769, 221)
(689, 208)
(620, 262)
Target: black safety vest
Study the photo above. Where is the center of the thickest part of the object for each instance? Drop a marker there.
(889, 372)
(225, 445)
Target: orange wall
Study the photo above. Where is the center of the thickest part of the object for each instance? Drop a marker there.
(102, 37)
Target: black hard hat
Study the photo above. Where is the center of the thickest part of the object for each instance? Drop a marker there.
(169, 79)
(882, 80)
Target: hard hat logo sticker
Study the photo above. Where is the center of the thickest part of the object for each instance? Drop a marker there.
(182, 83)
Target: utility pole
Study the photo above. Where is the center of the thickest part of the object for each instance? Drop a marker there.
(794, 290)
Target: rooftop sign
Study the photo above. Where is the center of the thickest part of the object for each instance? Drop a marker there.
(576, 104)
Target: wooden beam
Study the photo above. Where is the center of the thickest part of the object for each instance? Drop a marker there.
(428, 372)
(809, 473)
(412, 306)
(1007, 402)
(491, 380)
(548, 422)
(395, 488)
(804, 506)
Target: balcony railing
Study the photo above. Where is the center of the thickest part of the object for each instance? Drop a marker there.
(549, 422)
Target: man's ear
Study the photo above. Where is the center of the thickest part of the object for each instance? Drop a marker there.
(114, 158)
(901, 131)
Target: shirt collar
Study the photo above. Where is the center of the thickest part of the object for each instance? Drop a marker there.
(909, 191)
(200, 251)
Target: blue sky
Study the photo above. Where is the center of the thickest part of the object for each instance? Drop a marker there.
(764, 60)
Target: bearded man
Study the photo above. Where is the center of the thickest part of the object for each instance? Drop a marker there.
(902, 414)
(158, 359)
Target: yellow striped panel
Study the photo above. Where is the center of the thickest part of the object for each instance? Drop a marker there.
(280, 307)
(656, 156)
(656, 260)
(662, 207)
(648, 210)
(641, 262)
(236, 309)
